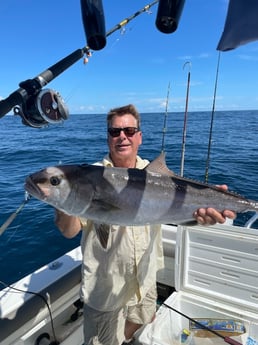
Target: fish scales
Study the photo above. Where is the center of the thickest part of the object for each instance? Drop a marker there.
(122, 196)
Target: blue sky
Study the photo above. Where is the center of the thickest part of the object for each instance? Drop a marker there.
(137, 65)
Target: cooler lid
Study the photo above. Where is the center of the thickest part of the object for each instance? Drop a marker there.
(218, 262)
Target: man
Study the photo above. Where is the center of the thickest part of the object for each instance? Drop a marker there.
(120, 263)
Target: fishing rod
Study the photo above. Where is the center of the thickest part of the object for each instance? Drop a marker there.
(185, 119)
(133, 16)
(165, 120)
(211, 124)
(11, 218)
(38, 108)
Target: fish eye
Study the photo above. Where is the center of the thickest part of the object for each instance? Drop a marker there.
(55, 180)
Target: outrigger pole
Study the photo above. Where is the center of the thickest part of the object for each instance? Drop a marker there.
(206, 176)
(165, 121)
(30, 88)
(185, 120)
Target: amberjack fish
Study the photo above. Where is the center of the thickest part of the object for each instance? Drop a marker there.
(123, 196)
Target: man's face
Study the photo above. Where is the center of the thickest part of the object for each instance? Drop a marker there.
(124, 147)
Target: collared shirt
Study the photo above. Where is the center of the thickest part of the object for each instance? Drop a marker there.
(122, 272)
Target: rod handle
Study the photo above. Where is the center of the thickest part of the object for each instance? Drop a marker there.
(232, 341)
(17, 97)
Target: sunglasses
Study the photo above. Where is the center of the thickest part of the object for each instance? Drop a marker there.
(128, 131)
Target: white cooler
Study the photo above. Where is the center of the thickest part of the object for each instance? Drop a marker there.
(216, 278)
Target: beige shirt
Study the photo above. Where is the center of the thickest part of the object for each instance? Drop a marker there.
(123, 272)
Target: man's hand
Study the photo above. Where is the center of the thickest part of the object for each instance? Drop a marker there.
(210, 216)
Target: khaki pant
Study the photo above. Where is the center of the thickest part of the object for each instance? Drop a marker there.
(103, 328)
(143, 312)
(107, 328)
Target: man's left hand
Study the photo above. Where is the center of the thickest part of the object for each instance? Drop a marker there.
(210, 216)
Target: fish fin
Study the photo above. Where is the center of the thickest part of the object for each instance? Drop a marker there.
(102, 231)
(103, 206)
(159, 166)
(189, 222)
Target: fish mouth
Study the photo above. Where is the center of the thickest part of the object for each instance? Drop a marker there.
(32, 188)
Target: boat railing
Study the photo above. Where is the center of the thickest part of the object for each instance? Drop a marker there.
(251, 221)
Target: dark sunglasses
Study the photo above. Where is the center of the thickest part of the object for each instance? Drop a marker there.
(128, 131)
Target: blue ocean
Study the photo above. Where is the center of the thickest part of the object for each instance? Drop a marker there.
(32, 240)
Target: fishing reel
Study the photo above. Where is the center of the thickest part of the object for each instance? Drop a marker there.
(43, 108)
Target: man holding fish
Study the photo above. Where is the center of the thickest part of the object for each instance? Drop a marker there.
(120, 262)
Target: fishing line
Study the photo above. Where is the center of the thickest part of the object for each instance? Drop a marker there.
(15, 214)
(211, 125)
(123, 32)
(13, 233)
(44, 300)
(226, 339)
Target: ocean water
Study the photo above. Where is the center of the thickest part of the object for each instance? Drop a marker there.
(32, 240)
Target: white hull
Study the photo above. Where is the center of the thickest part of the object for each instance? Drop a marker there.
(25, 318)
